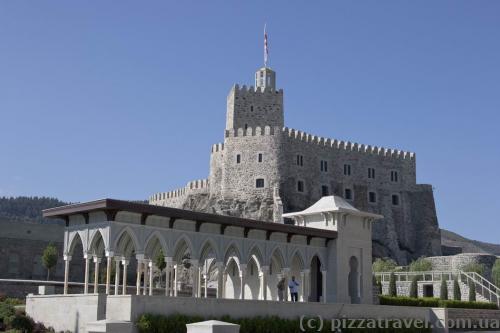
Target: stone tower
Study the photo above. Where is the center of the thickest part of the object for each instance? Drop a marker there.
(255, 107)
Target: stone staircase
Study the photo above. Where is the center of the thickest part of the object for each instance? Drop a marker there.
(464, 290)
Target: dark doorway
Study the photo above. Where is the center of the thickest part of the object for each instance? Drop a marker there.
(428, 290)
(316, 280)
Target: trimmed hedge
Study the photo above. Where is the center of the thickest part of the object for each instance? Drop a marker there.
(151, 323)
(435, 303)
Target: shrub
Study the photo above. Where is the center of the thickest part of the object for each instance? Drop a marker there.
(457, 294)
(414, 287)
(495, 273)
(472, 291)
(23, 323)
(444, 289)
(177, 323)
(393, 290)
(6, 312)
(420, 265)
(383, 265)
(49, 258)
(474, 267)
(409, 301)
(434, 303)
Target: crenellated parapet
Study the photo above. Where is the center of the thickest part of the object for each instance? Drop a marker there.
(250, 131)
(217, 148)
(252, 91)
(172, 198)
(347, 145)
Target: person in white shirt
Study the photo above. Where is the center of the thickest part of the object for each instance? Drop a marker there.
(294, 290)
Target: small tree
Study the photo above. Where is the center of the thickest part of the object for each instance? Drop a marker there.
(444, 289)
(420, 265)
(495, 273)
(472, 291)
(160, 263)
(383, 265)
(457, 294)
(393, 290)
(49, 258)
(414, 287)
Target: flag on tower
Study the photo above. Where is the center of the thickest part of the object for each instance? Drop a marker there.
(266, 49)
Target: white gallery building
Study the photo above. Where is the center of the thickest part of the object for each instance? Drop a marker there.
(328, 251)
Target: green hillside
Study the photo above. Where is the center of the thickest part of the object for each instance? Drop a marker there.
(27, 208)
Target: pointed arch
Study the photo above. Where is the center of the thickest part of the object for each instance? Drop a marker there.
(207, 246)
(232, 252)
(182, 246)
(318, 255)
(75, 239)
(297, 258)
(154, 243)
(277, 254)
(255, 254)
(97, 243)
(126, 244)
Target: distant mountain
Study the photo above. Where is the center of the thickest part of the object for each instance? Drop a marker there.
(27, 208)
(449, 238)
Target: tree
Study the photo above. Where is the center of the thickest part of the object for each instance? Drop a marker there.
(457, 294)
(444, 289)
(384, 265)
(474, 267)
(420, 265)
(160, 263)
(472, 291)
(414, 287)
(393, 291)
(495, 273)
(49, 258)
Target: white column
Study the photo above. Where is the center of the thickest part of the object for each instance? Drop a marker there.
(138, 277)
(286, 292)
(86, 285)
(168, 270)
(125, 264)
(302, 286)
(108, 273)
(220, 279)
(67, 260)
(243, 273)
(200, 275)
(146, 278)
(97, 261)
(151, 270)
(196, 275)
(117, 275)
(323, 275)
(224, 280)
(263, 284)
(307, 284)
(205, 289)
(176, 268)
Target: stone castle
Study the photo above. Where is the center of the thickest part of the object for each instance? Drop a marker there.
(263, 169)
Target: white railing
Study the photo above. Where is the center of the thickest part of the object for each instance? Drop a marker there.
(483, 287)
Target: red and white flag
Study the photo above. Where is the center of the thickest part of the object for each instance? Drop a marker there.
(266, 49)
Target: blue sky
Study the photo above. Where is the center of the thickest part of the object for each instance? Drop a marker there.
(124, 98)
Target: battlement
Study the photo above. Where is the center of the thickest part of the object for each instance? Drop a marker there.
(250, 131)
(218, 147)
(199, 185)
(347, 145)
(251, 90)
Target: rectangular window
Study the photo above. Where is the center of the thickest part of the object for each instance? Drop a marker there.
(260, 158)
(300, 186)
(324, 166)
(325, 191)
(394, 176)
(238, 158)
(371, 173)
(348, 194)
(259, 183)
(395, 200)
(372, 197)
(347, 169)
(300, 160)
